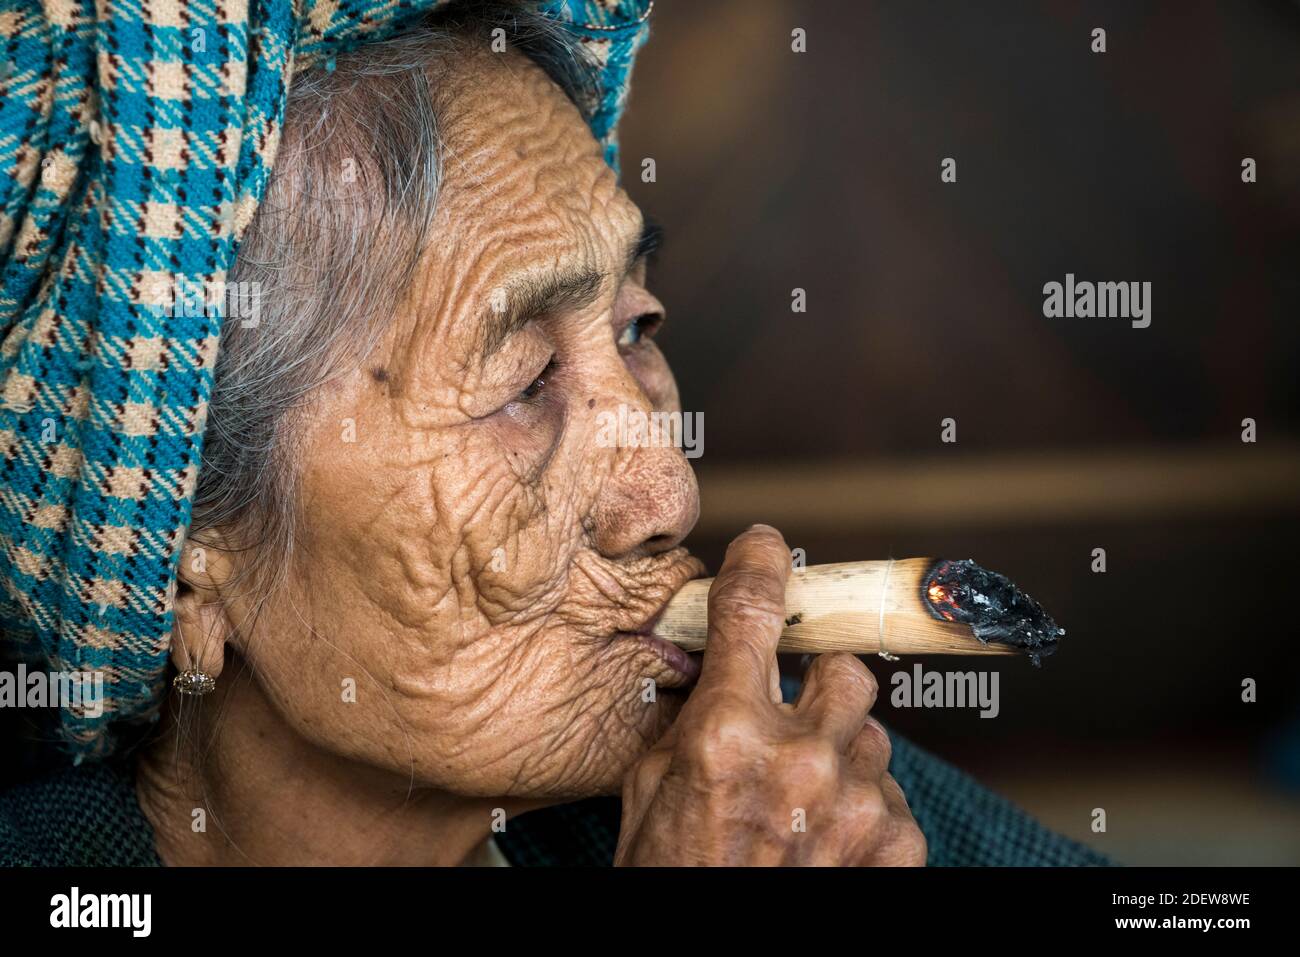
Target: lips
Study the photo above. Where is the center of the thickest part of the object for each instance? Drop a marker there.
(686, 567)
(683, 662)
(680, 661)
(648, 626)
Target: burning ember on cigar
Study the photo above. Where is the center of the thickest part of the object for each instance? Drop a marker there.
(993, 607)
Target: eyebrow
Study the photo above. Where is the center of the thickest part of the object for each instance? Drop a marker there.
(538, 296)
(647, 244)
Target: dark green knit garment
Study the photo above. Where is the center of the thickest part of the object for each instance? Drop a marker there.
(85, 816)
(88, 816)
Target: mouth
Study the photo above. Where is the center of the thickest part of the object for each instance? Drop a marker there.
(683, 662)
(675, 570)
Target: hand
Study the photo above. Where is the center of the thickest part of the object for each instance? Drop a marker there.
(740, 777)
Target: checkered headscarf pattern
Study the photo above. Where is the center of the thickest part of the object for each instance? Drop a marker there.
(136, 138)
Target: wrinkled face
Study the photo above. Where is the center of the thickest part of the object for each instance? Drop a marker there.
(471, 547)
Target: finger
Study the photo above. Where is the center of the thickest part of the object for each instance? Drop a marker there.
(642, 780)
(640, 785)
(747, 614)
(907, 845)
(837, 695)
(870, 751)
(895, 799)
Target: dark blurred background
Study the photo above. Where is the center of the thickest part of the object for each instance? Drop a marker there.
(821, 170)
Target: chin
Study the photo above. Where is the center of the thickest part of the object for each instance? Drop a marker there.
(598, 766)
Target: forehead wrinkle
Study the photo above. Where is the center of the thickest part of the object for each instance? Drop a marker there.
(564, 263)
(509, 193)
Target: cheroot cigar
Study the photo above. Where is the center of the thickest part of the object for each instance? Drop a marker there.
(911, 606)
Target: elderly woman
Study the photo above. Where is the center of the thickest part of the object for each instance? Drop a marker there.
(410, 617)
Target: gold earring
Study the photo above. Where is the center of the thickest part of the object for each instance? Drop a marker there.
(191, 681)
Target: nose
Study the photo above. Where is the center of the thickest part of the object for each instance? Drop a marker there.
(647, 505)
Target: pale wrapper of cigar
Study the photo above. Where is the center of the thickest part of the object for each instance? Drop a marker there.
(911, 606)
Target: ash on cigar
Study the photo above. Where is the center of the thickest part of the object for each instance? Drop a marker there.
(992, 605)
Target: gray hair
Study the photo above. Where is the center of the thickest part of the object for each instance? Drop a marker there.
(332, 249)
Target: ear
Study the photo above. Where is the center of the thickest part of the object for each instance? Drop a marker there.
(202, 625)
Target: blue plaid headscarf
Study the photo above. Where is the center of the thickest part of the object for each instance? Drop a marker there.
(136, 139)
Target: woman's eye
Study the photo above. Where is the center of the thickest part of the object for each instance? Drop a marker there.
(637, 329)
(539, 383)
